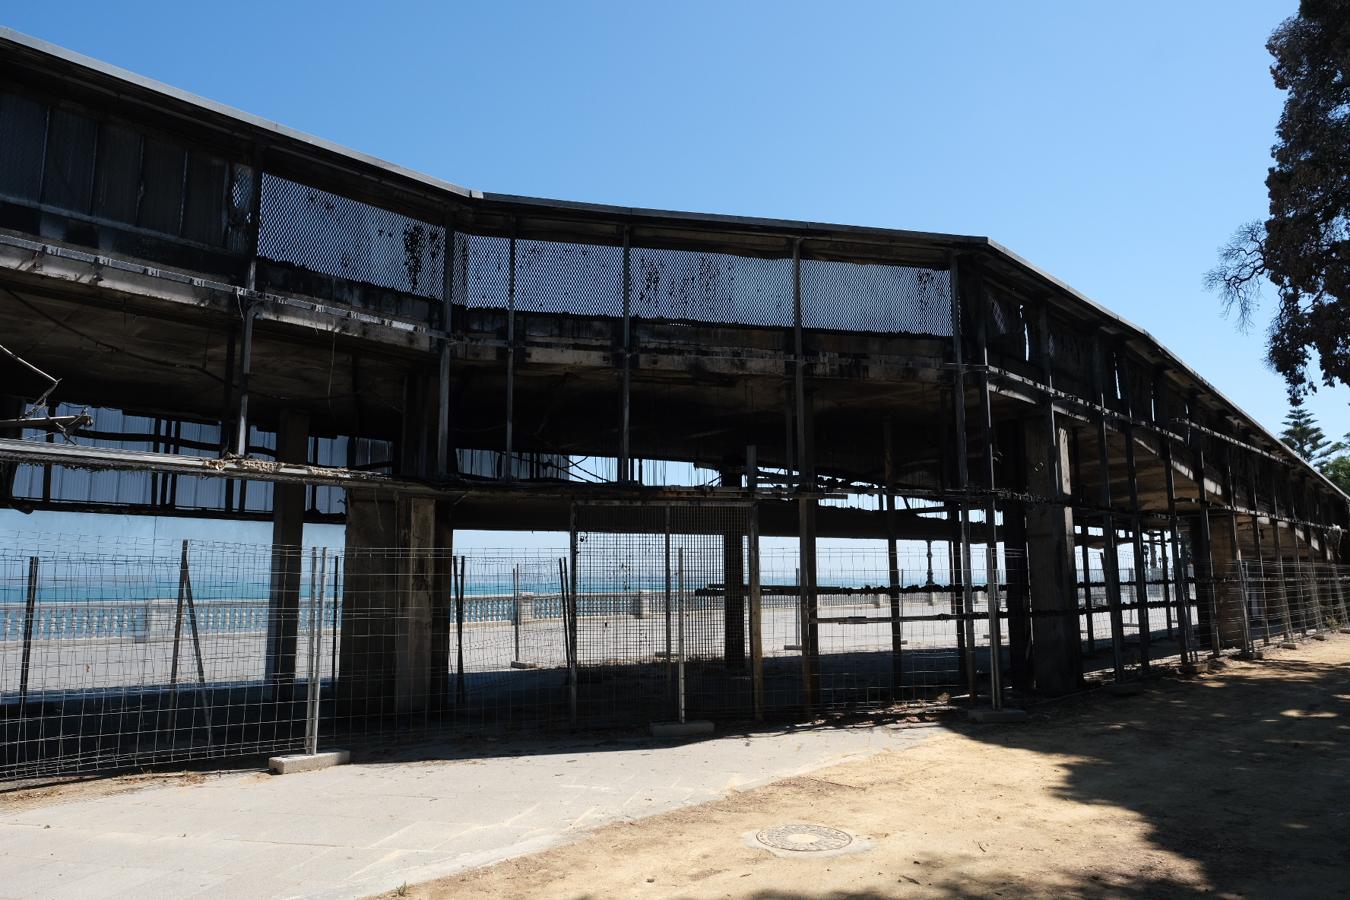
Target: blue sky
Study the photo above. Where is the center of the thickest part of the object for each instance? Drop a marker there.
(1115, 145)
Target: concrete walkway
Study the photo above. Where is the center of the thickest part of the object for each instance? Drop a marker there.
(368, 827)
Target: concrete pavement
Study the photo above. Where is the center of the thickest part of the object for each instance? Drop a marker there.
(417, 814)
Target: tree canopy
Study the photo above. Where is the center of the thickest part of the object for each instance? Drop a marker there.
(1303, 435)
(1303, 246)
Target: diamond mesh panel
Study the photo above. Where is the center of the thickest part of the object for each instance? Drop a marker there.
(681, 285)
(482, 271)
(336, 236)
(846, 296)
(579, 279)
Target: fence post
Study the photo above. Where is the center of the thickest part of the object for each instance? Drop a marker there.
(178, 616)
(756, 616)
(681, 635)
(460, 688)
(30, 610)
(318, 570)
(515, 609)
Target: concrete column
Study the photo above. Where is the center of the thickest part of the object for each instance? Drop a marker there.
(1057, 657)
(288, 524)
(1015, 547)
(394, 650)
(414, 602)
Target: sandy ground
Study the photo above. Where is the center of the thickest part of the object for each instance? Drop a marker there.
(1231, 784)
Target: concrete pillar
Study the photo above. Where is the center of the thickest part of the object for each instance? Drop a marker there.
(288, 525)
(1015, 553)
(394, 650)
(1057, 658)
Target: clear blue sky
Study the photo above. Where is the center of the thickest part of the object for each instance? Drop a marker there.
(1116, 145)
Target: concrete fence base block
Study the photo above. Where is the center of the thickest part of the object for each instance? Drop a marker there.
(1345, 631)
(1288, 645)
(1319, 637)
(304, 762)
(681, 729)
(986, 716)
(1125, 688)
(518, 664)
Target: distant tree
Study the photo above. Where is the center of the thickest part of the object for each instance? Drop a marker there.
(1303, 435)
(1303, 247)
(1338, 471)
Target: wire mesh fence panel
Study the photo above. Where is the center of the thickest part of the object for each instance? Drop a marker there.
(508, 659)
(110, 660)
(660, 612)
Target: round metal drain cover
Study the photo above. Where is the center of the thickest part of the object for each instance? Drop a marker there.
(804, 838)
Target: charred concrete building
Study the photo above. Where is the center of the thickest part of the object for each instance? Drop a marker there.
(245, 322)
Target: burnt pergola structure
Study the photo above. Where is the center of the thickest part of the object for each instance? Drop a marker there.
(321, 336)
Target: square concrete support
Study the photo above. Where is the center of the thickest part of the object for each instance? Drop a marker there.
(393, 650)
(1057, 660)
(288, 527)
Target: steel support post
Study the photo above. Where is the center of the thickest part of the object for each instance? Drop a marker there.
(1136, 514)
(1259, 550)
(245, 366)
(1076, 461)
(508, 459)
(1181, 590)
(1204, 558)
(981, 302)
(962, 478)
(806, 505)
(756, 613)
(625, 449)
(446, 323)
(1230, 489)
(1110, 556)
(892, 562)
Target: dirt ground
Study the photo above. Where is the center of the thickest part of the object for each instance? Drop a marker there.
(1230, 784)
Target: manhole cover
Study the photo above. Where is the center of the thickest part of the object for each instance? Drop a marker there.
(804, 838)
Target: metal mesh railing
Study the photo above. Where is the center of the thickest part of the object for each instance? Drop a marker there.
(334, 235)
(848, 296)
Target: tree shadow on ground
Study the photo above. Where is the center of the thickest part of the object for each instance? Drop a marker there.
(1245, 773)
